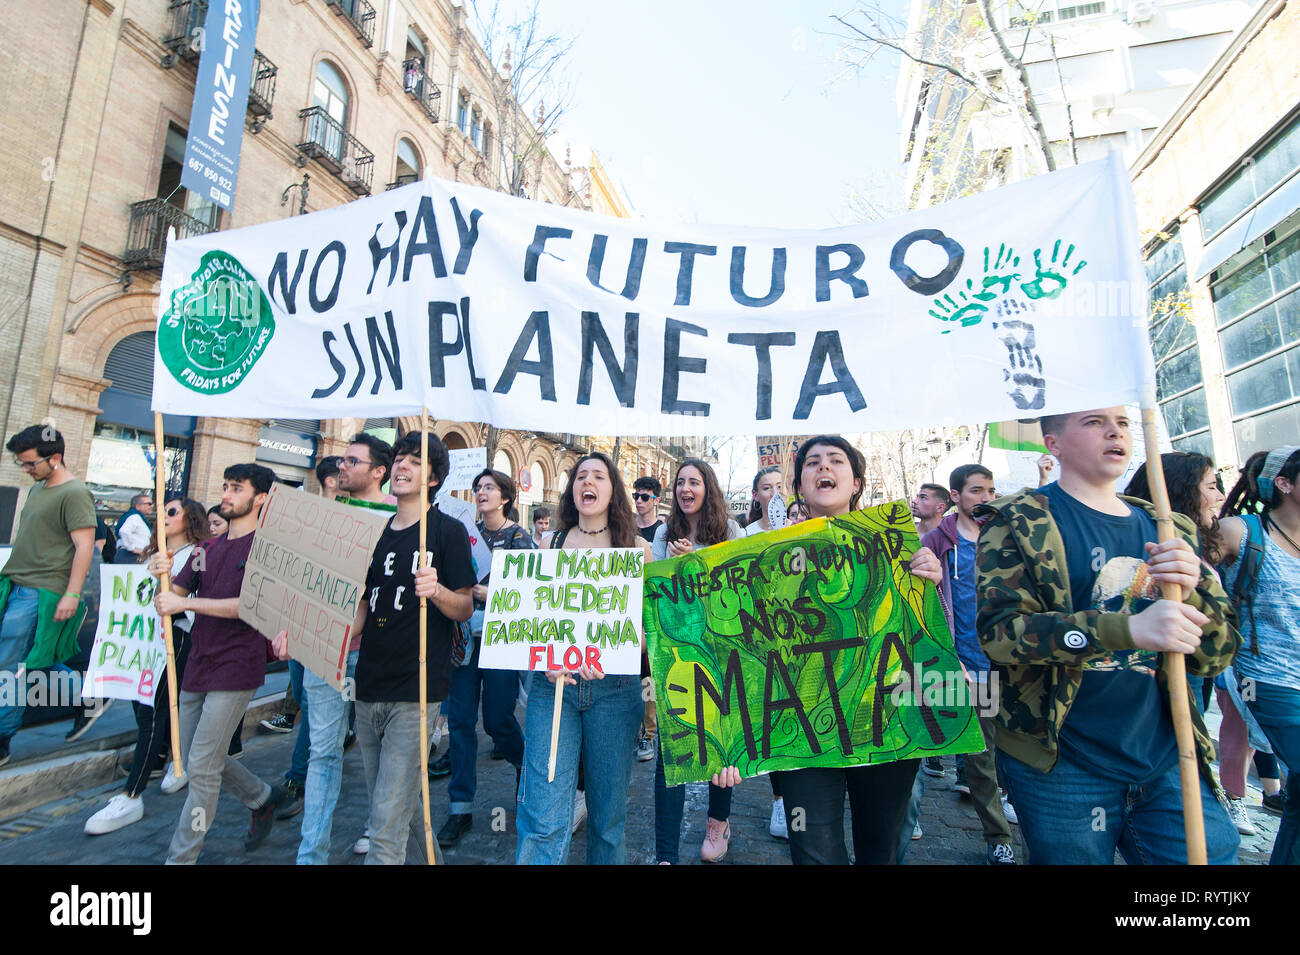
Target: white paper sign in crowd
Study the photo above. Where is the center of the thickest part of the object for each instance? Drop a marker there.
(129, 653)
(564, 609)
(1025, 300)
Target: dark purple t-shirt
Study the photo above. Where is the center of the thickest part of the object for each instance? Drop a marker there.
(226, 653)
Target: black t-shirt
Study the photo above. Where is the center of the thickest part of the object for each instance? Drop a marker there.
(387, 666)
(1119, 725)
(649, 532)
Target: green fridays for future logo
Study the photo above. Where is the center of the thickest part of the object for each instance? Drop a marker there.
(216, 327)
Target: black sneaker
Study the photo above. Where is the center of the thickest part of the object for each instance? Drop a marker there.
(1001, 854)
(457, 824)
(496, 752)
(85, 719)
(236, 748)
(441, 766)
(349, 740)
(4, 750)
(933, 766)
(264, 818)
(280, 723)
(292, 805)
(1272, 804)
(961, 786)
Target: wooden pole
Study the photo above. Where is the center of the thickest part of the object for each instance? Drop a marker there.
(164, 585)
(424, 638)
(555, 728)
(1175, 663)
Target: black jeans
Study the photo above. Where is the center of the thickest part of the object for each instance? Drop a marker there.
(670, 805)
(814, 812)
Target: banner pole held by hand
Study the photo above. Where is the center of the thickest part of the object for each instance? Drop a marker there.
(1175, 663)
(424, 637)
(165, 585)
(555, 727)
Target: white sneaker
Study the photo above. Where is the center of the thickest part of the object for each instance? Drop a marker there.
(579, 811)
(170, 784)
(777, 826)
(120, 812)
(1237, 813)
(1009, 811)
(362, 845)
(916, 832)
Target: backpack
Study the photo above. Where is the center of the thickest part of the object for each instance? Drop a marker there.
(1243, 588)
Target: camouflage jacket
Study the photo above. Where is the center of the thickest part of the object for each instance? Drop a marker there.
(1027, 627)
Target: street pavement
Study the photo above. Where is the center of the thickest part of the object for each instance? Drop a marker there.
(52, 834)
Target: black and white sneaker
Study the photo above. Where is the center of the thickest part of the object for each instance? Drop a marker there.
(933, 766)
(280, 723)
(85, 718)
(1001, 854)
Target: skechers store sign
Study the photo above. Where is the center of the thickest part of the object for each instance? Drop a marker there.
(278, 446)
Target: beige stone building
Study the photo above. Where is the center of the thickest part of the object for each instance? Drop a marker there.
(349, 97)
(1218, 199)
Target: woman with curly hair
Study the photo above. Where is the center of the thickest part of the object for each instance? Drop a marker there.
(698, 519)
(601, 712)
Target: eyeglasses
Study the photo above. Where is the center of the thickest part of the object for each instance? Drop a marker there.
(642, 496)
(352, 462)
(31, 465)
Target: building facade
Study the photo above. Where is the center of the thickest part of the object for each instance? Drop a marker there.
(348, 98)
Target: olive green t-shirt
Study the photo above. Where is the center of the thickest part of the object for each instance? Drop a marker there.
(43, 549)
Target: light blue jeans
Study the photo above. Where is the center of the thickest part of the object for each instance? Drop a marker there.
(17, 635)
(328, 727)
(599, 721)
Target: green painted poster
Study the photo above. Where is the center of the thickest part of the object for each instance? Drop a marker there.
(811, 645)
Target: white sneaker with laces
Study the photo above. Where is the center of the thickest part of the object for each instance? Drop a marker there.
(777, 826)
(170, 784)
(1009, 811)
(362, 845)
(120, 812)
(1237, 813)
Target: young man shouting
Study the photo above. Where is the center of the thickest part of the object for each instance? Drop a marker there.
(1069, 613)
(227, 664)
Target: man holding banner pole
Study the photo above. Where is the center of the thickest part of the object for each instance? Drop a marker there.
(1068, 588)
(387, 671)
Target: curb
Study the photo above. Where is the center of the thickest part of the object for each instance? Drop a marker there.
(32, 783)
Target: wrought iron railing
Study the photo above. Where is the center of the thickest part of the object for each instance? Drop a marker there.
(403, 180)
(262, 93)
(184, 39)
(325, 140)
(420, 88)
(152, 221)
(360, 16)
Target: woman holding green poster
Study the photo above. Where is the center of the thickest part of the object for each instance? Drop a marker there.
(829, 474)
(698, 519)
(600, 715)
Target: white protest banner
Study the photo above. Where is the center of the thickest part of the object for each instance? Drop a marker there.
(1021, 301)
(129, 654)
(466, 464)
(306, 572)
(564, 609)
(464, 512)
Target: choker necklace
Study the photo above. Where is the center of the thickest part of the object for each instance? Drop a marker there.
(598, 530)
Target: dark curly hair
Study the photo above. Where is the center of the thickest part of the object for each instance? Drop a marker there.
(622, 519)
(1184, 471)
(857, 463)
(1244, 498)
(711, 524)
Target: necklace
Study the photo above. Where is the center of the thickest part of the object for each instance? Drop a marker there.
(598, 530)
(1284, 534)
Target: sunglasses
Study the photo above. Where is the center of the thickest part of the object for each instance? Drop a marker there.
(642, 496)
(173, 512)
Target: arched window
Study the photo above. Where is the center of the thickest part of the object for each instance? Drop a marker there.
(408, 163)
(330, 95)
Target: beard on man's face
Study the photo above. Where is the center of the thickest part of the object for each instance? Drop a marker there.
(230, 511)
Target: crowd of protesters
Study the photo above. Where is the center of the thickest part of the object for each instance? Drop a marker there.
(1051, 595)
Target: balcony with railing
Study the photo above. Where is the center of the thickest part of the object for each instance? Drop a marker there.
(403, 180)
(184, 39)
(325, 140)
(152, 221)
(262, 93)
(420, 88)
(360, 16)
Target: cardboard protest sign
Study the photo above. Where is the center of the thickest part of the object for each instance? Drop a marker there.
(494, 308)
(564, 609)
(306, 572)
(465, 464)
(807, 646)
(129, 651)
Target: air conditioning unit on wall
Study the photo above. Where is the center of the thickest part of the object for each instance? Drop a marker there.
(1141, 11)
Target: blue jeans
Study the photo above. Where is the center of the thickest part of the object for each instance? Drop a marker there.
(302, 745)
(17, 634)
(329, 725)
(912, 818)
(500, 691)
(1277, 708)
(599, 721)
(1071, 816)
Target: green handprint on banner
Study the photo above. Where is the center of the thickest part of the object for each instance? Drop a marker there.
(1055, 280)
(948, 309)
